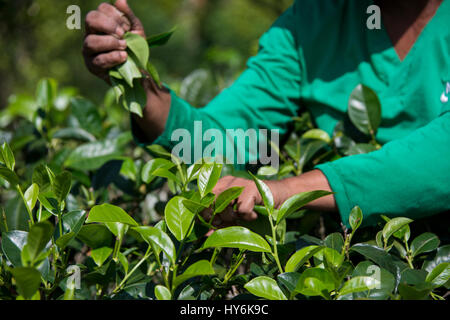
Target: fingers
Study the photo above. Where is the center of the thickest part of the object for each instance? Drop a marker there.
(245, 205)
(100, 23)
(136, 24)
(110, 59)
(94, 44)
(224, 184)
(111, 11)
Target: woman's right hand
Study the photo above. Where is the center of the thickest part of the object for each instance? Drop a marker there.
(104, 46)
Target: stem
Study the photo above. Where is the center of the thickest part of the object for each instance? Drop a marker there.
(60, 224)
(214, 256)
(275, 249)
(26, 205)
(161, 267)
(233, 269)
(127, 276)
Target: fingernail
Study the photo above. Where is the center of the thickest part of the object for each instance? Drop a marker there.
(122, 44)
(123, 55)
(120, 32)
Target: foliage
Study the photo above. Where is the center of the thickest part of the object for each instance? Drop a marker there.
(77, 198)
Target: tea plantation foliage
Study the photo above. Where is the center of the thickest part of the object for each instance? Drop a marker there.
(85, 214)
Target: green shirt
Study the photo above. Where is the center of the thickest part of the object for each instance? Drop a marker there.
(314, 55)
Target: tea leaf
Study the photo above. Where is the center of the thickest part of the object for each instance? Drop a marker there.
(108, 213)
(364, 109)
(28, 281)
(226, 197)
(358, 284)
(158, 238)
(162, 293)
(300, 257)
(297, 202)
(200, 268)
(178, 218)
(426, 242)
(265, 287)
(237, 237)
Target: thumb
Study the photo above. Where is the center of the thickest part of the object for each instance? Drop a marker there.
(136, 24)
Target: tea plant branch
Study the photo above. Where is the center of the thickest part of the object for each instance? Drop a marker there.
(232, 270)
(147, 254)
(274, 245)
(30, 213)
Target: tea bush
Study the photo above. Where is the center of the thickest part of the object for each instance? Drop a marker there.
(87, 215)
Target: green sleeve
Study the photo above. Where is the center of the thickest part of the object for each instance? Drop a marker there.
(265, 96)
(407, 177)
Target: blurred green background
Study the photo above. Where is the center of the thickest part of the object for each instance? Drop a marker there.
(218, 35)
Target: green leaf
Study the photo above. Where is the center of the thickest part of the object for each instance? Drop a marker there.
(178, 218)
(160, 39)
(135, 99)
(300, 257)
(139, 47)
(355, 218)
(200, 268)
(162, 293)
(153, 165)
(289, 280)
(317, 134)
(117, 229)
(334, 241)
(75, 134)
(265, 193)
(267, 171)
(381, 258)
(364, 109)
(28, 281)
(330, 257)
(91, 156)
(95, 236)
(298, 201)
(61, 185)
(45, 93)
(439, 275)
(266, 288)
(360, 148)
(315, 282)
(226, 197)
(358, 284)
(42, 176)
(38, 237)
(393, 226)
(208, 176)
(108, 213)
(426, 242)
(31, 196)
(151, 69)
(129, 71)
(415, 292)
(9, 175)
(100, 255)
(441, 255)
(386, 279)
(12, 244)
(7, 156)
(123, 261)
(237, 237)
(158, 238)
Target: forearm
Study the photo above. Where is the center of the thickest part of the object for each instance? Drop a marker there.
(310, 181)
(156, 112)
